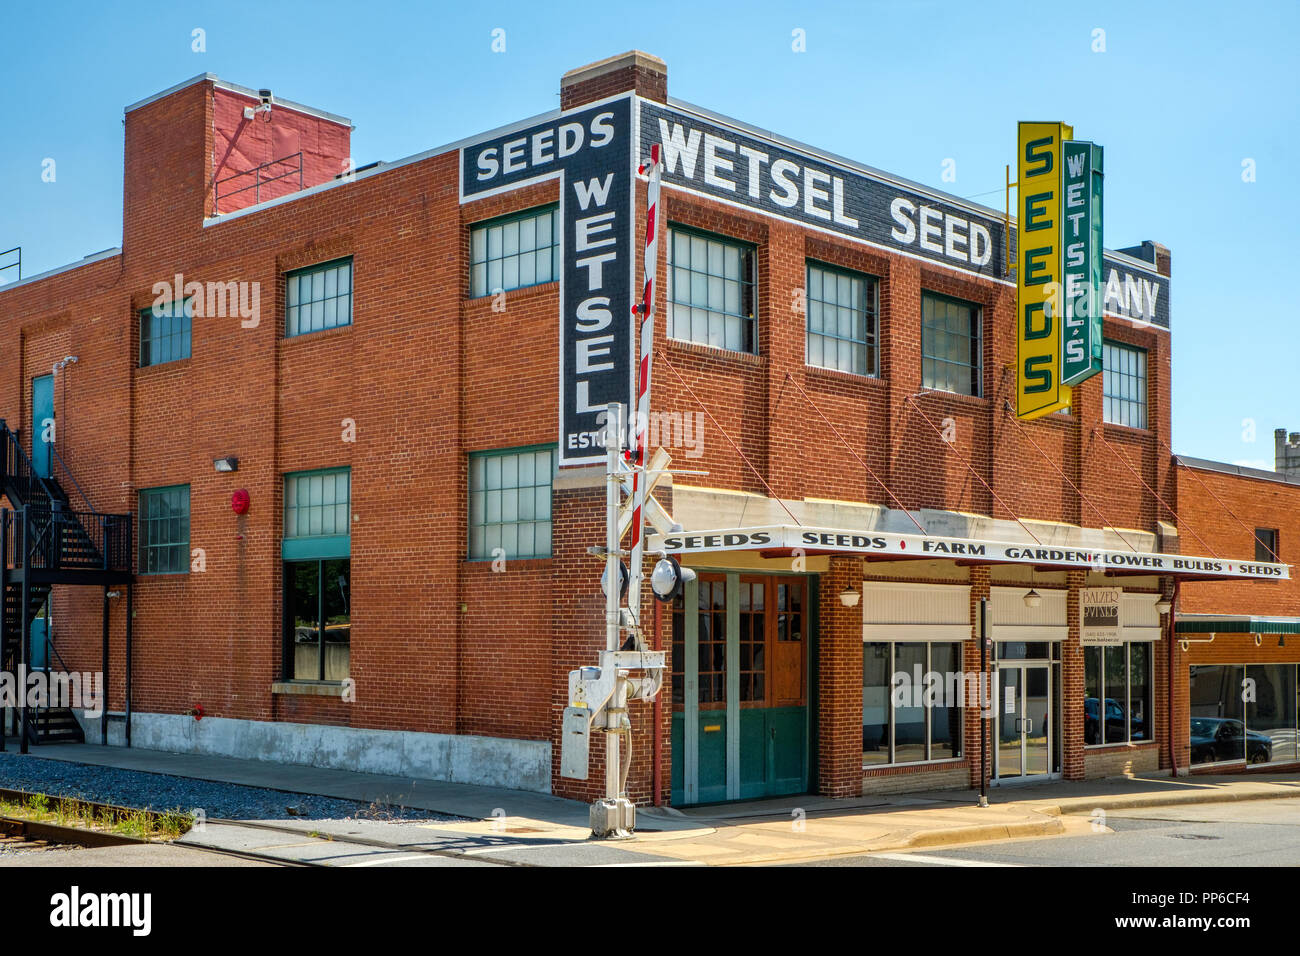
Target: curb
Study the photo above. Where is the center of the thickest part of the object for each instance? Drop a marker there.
(1172, 800)
(983, 832)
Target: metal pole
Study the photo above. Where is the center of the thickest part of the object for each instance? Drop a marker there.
(130, 613)
(987, 704)
(613, 434)
(25, 636)
(4, 633)
(103, 717)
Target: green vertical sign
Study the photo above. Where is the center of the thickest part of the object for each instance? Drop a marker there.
(1082, 273)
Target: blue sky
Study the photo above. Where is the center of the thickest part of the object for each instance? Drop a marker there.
(1181, 96)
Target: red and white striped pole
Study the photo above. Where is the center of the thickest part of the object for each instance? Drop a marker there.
(636, 454)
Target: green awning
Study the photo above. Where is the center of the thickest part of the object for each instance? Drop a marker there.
(1235, 624)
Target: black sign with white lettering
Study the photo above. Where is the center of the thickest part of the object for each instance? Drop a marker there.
(590, 151)
(727, 164)
(1135, 293)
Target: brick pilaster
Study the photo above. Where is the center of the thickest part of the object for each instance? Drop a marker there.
(839, 667)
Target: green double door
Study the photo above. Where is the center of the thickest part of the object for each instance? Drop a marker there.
(741, 653)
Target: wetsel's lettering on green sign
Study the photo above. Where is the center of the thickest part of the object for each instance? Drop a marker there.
(1084, 302)
(1039, 386)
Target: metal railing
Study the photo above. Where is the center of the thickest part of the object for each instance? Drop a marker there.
(19, 470)
(13, 265)
(259, 179)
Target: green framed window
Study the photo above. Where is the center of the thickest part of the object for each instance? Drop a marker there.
(951, 345)
(318, 298)
(712, 285)
(514, 251)
(317, 619)
(510, 502)
(165, 332)
(842, 312)
(1124, 384)
(317, 514)
(164, 515)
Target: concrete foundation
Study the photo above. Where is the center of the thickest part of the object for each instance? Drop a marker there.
(486, 761)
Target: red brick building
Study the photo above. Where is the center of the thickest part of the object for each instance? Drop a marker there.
(371, 355)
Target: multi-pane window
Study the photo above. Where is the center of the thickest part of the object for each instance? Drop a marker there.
(165, 332)
(711, 289)
(1124, 384)
(842, 312)
(317, 550)
(712, 638)
(950, 344)
(318, 503)
(1266, 544)
(318, 298)
(1117, 694)
(165, 530)
(514, 252)
(898, 726)
(510, 503)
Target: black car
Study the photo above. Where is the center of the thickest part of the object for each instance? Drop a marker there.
(1115, 725)
(1221, 738)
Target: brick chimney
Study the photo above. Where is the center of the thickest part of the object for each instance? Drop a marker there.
(640, 72)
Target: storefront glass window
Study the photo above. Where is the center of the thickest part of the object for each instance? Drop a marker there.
(901, 722)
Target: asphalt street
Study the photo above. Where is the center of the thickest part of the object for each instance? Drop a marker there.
(1248, 833)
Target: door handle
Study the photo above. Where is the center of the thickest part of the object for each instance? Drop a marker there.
(1029, 725)
(772, 730)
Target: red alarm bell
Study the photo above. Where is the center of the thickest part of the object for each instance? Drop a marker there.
(239, 502)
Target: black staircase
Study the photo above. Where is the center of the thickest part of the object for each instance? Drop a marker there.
(45, 541)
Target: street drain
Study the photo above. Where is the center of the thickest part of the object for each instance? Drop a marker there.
(1194, 836)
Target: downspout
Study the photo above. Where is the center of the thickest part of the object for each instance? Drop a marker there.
(1173, 747)
(656, 711)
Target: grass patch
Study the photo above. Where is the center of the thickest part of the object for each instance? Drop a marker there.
(67, 812)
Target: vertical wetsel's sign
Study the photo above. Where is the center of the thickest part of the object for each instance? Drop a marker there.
(1084, 284)
(1039, 270)
(590, 151)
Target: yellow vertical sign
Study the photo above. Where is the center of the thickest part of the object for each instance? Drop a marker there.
(1039, 261)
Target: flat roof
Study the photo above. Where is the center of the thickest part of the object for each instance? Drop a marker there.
(1242, 471)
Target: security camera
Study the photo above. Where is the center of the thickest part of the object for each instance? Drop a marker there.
(265, 99)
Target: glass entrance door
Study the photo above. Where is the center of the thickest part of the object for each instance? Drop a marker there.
(1024, 732)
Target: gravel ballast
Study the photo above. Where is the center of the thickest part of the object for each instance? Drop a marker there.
(157, 791)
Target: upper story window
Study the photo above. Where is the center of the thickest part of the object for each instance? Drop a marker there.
(319, 297)
(165, 332)
(1266, 545)
(318, 513)
(1124, 384)
(711, 290)
(514, 251)
(510, 503)
(165, 530)
(951, 347)
(842, 314)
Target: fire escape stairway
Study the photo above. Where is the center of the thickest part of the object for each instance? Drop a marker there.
(45, 541)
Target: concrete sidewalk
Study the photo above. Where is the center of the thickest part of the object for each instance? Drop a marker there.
(530, 828)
